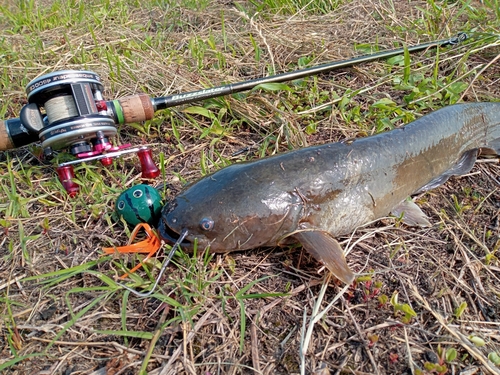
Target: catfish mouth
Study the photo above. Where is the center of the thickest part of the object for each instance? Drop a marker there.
(171, 236)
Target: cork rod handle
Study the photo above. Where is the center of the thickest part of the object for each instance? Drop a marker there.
(5, 140)
(136, 108)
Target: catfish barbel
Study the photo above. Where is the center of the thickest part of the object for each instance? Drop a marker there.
(312, 195)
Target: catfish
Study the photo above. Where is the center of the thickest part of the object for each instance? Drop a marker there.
(315, 194)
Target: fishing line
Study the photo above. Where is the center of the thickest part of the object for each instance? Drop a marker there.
(176, 245)
(60, 108)
(79, 119)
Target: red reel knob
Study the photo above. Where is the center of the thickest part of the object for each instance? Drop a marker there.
(106, 162)
(148, 167)
(66, 175)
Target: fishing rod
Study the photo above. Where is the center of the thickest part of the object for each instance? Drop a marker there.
(66, 110)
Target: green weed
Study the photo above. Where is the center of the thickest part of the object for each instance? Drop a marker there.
(404, 308)
(494, 357)
(297, 6)
(240, 296)
(444, 357)
(460, 309)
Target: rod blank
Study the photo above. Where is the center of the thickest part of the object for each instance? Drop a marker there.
(214, 92)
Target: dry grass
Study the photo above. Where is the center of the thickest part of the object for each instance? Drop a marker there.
(79, 322)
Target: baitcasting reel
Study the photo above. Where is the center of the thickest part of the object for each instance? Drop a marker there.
(66, 110)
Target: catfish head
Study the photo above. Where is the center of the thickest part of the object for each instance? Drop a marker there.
(236, 208)
(249, 205)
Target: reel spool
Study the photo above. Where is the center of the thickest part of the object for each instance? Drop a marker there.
(67, 110)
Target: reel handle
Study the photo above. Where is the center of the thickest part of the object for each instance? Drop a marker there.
(66, 175)
(148, 167)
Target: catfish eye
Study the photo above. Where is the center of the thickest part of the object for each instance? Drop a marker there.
(206, 223)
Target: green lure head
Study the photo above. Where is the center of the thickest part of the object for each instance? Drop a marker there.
(139, 204)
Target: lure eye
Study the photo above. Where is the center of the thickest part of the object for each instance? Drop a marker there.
(207, 223)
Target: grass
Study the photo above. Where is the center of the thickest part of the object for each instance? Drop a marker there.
(260, 311)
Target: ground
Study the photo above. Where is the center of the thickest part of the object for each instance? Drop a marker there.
(426, 300)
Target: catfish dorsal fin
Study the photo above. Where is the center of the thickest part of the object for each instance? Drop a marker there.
(322, 246)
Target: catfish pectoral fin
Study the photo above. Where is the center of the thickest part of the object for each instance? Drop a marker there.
(411, 214)
(327, 250)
